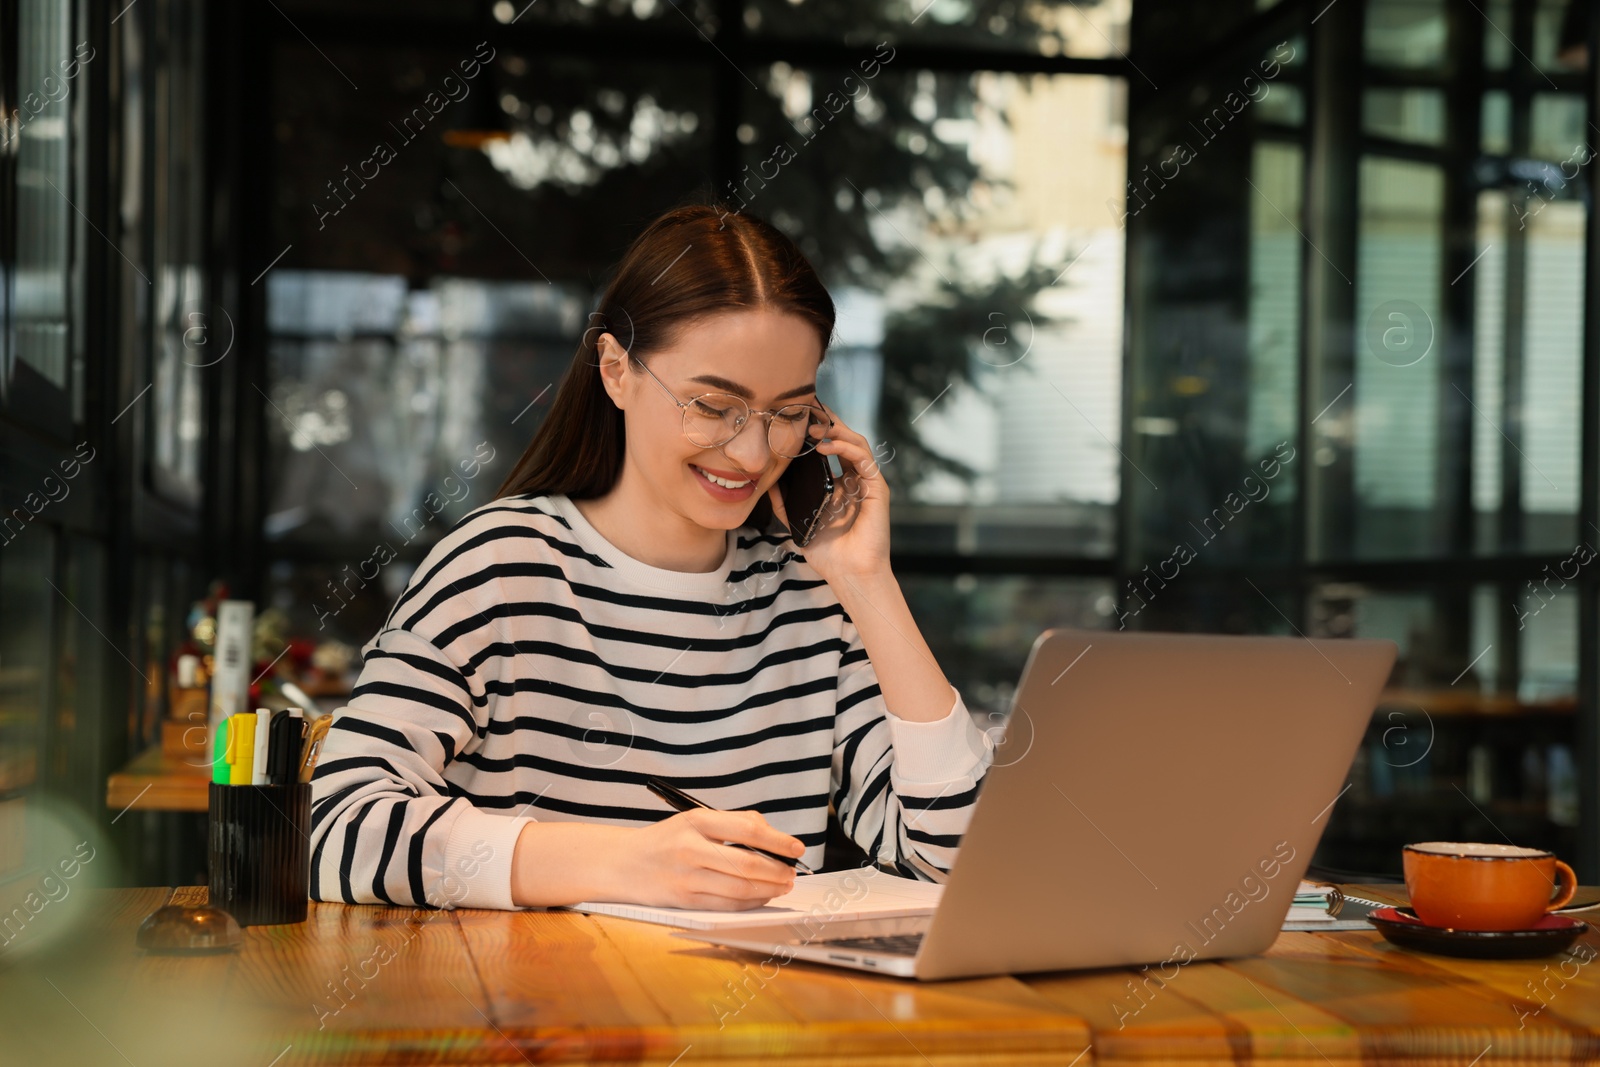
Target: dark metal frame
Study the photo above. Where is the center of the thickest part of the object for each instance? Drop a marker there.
(1588, 725)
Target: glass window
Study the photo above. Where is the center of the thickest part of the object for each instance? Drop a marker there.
(1541, 314)
(685, 18)
(1552, 374)
(1396, 368)
(1090, 29)
(1450, 425)
(518, 179)
(970, 224)
(980, 629)
(433, 10)
(1217, 246)
(1404, 114)
(1405, 33)
(1558, 132)
(1496, 120)
(44, 188)
(1275, 251)
(1497, 48)
(1282, 103)
(1473, 737)
(394, 412)
(1488, 365)
(185, 341)
(450, 283)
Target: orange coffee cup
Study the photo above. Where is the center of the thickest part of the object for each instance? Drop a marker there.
(1471, 886)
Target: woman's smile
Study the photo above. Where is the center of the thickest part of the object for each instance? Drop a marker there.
(725, 485)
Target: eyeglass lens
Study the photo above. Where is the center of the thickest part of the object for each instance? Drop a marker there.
(714, 419)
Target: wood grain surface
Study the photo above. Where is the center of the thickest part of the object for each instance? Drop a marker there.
(360, 985)
(156, 781)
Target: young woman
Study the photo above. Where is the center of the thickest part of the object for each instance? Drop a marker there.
(627, 608)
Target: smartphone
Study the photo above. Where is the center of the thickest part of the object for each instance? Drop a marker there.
(806, 486)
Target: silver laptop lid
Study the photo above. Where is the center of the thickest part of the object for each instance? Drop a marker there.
(1155, 798)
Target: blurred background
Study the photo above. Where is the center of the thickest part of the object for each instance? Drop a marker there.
(1228, 316)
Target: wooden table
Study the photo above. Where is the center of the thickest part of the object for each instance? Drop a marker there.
(153, 781)
(397, 985)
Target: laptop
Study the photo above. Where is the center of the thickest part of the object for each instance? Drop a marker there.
(1154, 798)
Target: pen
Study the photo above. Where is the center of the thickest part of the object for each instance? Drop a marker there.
(283, 757)
(263, 749)
(313, 747)
(684, 802)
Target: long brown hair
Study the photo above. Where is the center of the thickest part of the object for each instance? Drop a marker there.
(691, 262)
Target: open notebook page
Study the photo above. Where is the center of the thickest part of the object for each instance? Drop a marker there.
(864, 893)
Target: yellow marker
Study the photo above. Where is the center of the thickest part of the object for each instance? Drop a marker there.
(241, 747)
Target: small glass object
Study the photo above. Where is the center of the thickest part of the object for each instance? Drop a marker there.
(189, 929)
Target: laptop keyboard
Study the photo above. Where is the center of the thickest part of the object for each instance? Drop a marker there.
(892, 944)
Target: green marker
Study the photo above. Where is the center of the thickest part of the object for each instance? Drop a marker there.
(219, 754)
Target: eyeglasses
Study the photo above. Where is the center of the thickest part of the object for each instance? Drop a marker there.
(711, 420)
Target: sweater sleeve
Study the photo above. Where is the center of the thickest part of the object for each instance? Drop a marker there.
(904, 790)
(384, 827)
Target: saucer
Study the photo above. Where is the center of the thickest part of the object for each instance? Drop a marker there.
(1546, 937)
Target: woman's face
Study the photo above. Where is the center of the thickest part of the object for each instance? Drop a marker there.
(769, 358)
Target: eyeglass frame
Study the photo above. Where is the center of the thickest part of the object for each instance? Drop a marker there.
(769, 413)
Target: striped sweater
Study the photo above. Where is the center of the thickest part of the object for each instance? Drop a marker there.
(532, 670)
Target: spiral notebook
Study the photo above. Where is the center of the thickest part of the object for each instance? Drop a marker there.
(863, 893)
(1322, 907)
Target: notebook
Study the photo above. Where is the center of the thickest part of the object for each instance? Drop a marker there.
(1309, 911)
(1310, 904)
(863, 893)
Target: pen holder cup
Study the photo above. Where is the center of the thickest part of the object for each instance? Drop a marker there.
(258, 852)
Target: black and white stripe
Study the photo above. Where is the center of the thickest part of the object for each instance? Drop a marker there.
(531, 670)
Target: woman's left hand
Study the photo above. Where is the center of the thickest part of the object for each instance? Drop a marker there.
(853, 539)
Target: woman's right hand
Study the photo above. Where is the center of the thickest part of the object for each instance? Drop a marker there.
(681, 862)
